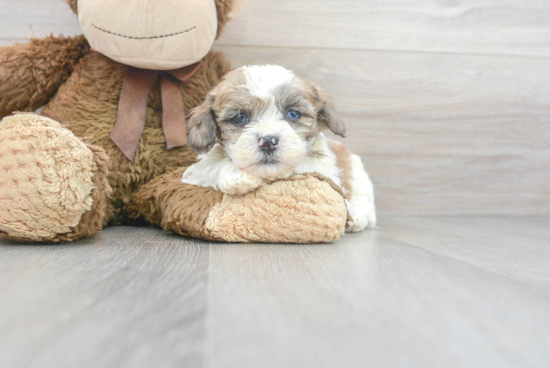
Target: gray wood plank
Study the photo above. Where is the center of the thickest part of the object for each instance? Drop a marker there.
(371, 300)
(129, 297)
(515, 247)
(10, 42)
(504, 27)
(425, 292)
(439, 134)
(23, 19)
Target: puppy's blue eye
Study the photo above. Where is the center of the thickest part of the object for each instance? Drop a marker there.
(293, 115)
(242, 118)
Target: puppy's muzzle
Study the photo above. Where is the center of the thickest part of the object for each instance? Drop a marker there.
(268, 144)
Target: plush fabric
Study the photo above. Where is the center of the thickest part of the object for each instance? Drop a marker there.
(47, 181)
(62, 177)
(87, 104)
(175, 206)
(227, 9)
(302, 209)
(237, 8)
(180, 33)
(31, 73)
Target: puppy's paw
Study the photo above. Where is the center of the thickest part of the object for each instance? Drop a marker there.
(362, 216)
(239, 182)
(188, 176)
(361, 198)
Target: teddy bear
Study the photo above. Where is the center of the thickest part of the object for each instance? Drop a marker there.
(110, 145)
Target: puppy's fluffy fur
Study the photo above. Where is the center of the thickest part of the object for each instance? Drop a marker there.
(268, 124)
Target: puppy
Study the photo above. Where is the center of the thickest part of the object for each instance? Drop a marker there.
(268, 124)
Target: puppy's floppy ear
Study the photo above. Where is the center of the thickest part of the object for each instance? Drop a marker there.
(327, 114)
(202, 125)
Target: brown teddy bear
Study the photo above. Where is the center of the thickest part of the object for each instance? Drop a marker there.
(110, 145)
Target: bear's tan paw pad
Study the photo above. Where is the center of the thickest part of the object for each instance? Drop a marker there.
(302, 210)
(45, 178)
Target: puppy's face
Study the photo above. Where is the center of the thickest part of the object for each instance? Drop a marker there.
(266, 119)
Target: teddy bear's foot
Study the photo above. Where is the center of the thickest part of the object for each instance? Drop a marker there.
(53, 187)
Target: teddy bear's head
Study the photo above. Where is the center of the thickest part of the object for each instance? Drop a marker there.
(152, 34)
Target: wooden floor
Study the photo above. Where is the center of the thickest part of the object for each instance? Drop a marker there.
(417, 292)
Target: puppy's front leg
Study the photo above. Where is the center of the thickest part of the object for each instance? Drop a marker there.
(216, 170)
(233, 180)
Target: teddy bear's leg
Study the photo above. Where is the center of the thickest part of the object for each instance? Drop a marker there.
(167, 202)
(53, 187)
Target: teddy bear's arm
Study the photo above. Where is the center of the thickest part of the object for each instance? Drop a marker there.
(31, 73)
(300, 209)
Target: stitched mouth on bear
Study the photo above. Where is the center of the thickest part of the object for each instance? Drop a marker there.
(144, 38)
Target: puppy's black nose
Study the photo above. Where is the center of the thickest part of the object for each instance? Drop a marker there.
(268, 143)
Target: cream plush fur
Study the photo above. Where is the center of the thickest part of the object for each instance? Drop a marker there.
(179, 32)
(49, 185)
(262, 216)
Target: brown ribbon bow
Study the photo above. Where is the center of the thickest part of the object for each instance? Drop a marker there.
(132, 106)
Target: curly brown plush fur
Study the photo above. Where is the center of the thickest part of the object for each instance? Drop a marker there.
(62, 178)
(301, 209)
(31, 73)
(87, 104)
(81, 90)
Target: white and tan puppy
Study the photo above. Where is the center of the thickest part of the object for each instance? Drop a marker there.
(268, 124)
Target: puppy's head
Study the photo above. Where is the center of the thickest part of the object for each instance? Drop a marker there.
(266, 118)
